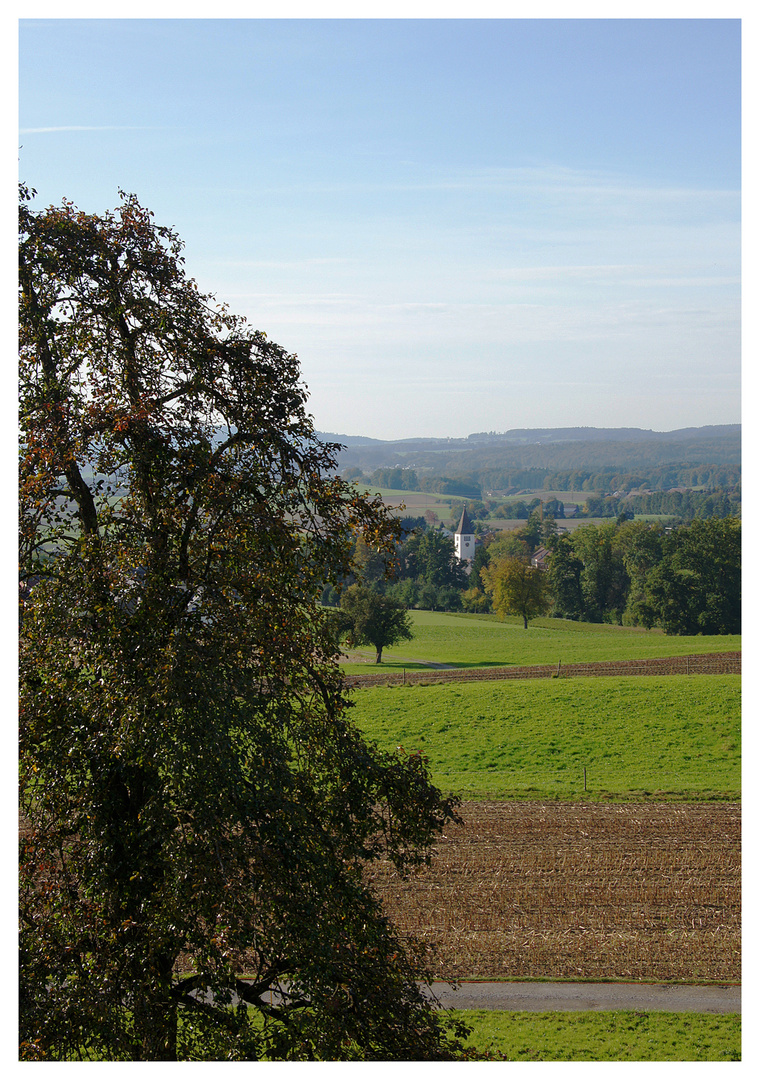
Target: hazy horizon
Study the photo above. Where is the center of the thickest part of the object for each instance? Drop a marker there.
(563, 427)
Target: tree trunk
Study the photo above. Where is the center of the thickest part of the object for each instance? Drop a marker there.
(154, 1010)
(525, 622)
(379, 656)
(155, 1023)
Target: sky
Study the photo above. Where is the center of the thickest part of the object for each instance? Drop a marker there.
(459, 225)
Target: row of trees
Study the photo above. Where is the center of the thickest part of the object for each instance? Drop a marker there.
(663, 478)
(685, 579)
(681, 505)
(678, 505)
(687, 505)
(660, 478)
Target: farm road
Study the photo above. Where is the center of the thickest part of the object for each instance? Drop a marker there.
(578, 997)
(582, 997)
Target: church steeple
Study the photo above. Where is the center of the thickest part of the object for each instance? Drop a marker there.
(464, 538)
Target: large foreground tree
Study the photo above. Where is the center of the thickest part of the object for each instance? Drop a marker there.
(196, 804)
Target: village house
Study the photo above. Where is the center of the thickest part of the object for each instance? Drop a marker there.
(540, 558)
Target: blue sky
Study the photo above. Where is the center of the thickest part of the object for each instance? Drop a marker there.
(458, 225)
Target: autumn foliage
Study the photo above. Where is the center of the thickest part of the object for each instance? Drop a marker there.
(196, 805)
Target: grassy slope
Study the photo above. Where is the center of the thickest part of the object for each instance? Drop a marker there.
(668, 736)
(485, 641)
(606, 1036)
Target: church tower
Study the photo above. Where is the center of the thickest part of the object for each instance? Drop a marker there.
(464, 538)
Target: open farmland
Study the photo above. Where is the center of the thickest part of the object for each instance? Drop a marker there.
(414, 502)
(579, 891)
(457, 640)
(570, 524)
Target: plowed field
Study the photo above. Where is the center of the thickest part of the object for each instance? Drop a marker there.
(579, 891)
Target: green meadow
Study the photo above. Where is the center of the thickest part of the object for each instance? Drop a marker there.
(605, 1036)
(466, 641)
(672, 737)
(602, 1036)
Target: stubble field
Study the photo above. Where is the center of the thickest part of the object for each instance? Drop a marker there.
(579, 891)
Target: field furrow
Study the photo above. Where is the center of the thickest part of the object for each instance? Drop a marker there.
(579, 891)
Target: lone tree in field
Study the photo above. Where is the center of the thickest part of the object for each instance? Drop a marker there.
(372, 619)
(516, 588)
(195, 802)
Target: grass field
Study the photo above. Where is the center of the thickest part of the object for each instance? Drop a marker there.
(422, 498)
(605, 1036)
(415, 502)
(485, 641)
(675, 736)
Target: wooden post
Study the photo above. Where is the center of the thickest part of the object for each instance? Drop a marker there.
(559, 665)
(584, 777)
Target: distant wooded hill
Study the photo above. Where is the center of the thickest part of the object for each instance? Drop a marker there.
(489, 457)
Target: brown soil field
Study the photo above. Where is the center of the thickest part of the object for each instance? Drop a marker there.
(727, 663)
(579, 891)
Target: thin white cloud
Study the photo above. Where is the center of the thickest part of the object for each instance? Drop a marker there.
(547, 179)
(279, 264)
(533, 273)
(640, 276)
(82, 127)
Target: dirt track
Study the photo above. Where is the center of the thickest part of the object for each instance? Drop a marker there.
(577, 997)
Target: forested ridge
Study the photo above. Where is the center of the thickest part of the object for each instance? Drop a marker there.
(485, 458)
(681, 463)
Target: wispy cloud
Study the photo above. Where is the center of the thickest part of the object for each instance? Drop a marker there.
(82, 127)
(633, 275)
(280, 264)
(546, 179)
(540, 273)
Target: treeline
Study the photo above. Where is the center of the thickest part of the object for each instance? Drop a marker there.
(480, 510)
(681, 505)
(684, 492)
(685, 579)
(658, 479)
(684, 505)
(400, 479)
